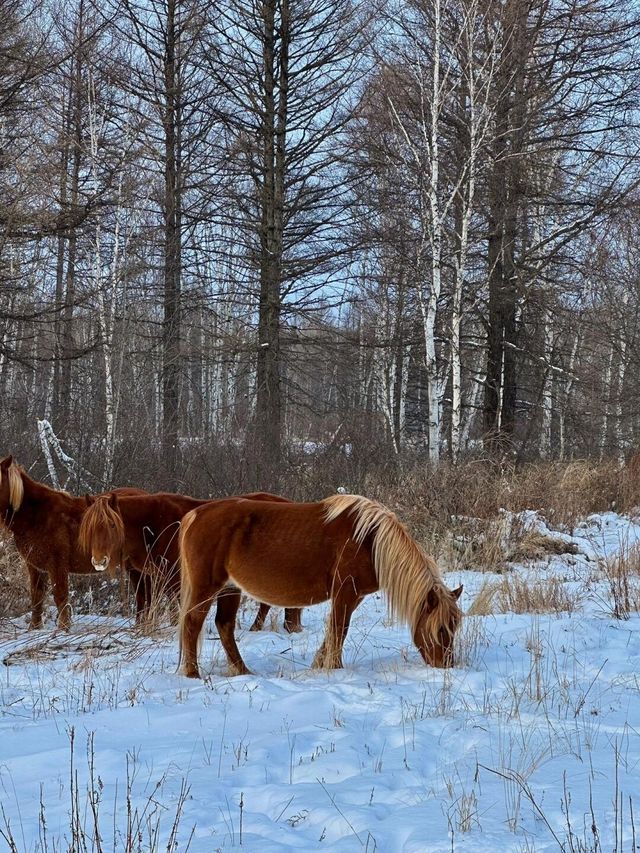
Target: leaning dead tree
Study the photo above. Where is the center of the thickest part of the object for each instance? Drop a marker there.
(49, 442)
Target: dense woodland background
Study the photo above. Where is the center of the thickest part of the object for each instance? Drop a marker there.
(243, 241)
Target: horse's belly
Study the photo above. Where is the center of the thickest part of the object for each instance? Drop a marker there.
(280, 589)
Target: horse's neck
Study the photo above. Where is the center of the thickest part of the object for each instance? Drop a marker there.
(38, 500)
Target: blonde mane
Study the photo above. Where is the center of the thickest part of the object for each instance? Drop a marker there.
(100, 516)
(16, 486)
(409, 576)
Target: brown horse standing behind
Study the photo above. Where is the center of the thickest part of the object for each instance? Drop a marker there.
(44, 523)
(143, 530)
(294, 555)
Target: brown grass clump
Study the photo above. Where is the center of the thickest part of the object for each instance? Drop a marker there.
(482, 604)
(515, 594)
(479, 544)
(14, 583)
(622, 575)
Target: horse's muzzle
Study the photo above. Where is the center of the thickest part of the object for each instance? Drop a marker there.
(102, 566)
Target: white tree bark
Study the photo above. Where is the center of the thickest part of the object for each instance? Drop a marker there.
(606, 418)
(106, 308)
(547, 388)
(562, 413)
(622, 368)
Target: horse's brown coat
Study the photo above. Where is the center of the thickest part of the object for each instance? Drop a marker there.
(341, 549)
(143, 529)
(44, 523)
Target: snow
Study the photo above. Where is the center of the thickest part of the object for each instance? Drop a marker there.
(530, 740)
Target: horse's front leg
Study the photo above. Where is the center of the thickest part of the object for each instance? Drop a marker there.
(38, 590)
(345, 601)
(60, 584)
(138, 584)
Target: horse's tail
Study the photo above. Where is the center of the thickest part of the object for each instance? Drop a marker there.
(185, 579)
(404, 570)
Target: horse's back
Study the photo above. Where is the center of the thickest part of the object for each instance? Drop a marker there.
(280, 553)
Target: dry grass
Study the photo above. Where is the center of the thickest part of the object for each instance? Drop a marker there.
(14, 583)
(514, 594)
(563, 492)
(622, 575)
(483, 603)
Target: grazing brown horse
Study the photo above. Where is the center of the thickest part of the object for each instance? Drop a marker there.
(294, 555)
(44, 523)
(143, 531)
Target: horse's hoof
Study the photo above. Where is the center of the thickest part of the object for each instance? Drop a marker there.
(257, 626)
(239, 670)
(293, 629)
(191, 672)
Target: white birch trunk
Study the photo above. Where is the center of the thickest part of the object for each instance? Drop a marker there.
(622, 367)
(106, 310)
(547, 388)
(562, 414)
(477, 388)
(434, 394)
(604, 429)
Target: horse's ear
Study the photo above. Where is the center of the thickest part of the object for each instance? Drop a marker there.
(89, 499)
(6, 462)
(432, 599)
(113, 500)
(456, 593)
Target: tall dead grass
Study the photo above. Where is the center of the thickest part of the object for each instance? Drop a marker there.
(515, 594)
(564, 492)
(622, 577)
(14, 583)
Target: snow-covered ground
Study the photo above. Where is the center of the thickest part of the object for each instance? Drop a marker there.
(531, 743)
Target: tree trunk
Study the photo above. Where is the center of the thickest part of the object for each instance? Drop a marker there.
(172, 245)
(504, 204)
(269, 414)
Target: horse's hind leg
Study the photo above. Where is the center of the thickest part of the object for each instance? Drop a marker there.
(38, 589)
(228, 602)
(345, 601)
(258, 622)
(293, 620)
(194, 611)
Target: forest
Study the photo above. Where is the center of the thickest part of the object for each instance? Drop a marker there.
(239, 239)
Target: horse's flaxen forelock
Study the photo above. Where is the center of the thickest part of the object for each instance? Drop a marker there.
(16, 486)
(409, 576)
(100, 516)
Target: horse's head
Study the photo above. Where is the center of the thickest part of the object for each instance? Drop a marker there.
(101, 533)
(437, 624)
(11, 487)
